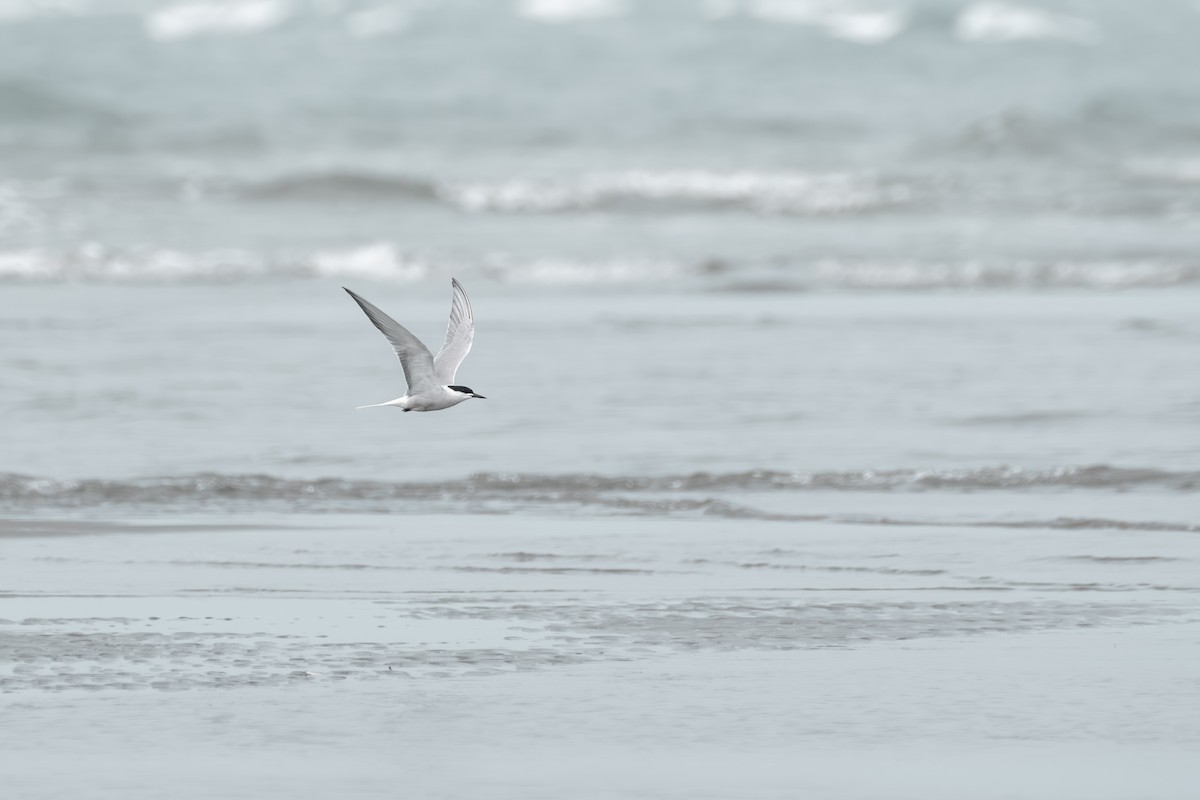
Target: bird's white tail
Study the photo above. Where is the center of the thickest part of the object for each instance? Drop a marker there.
(399, 401)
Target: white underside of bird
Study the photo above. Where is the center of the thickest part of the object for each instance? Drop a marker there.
(430, 378)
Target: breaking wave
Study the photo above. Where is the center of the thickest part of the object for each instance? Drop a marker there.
(631, 191)
(864, 22)
(1023, 274)
(625, 192)
(100, 263)
(560, 11)
(992, 22)
(386, 261)
(342, 185)
(631, 494)
(853, 22)
(185, 20)
(759, 192)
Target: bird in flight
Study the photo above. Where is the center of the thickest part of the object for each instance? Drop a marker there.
(430, 378)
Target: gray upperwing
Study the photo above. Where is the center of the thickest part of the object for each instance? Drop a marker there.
(460, 333)
(414, 356)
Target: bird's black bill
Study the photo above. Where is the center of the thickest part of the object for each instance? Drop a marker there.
(481, 397)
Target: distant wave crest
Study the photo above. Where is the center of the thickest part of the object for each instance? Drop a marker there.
(982, 274)
(993, 22)
(631, 493)
(559, 11)
(386, 261)
(220, 17)
(342, 184)
(629, 191)
(100, 263)
(858, 22)
(759, 192)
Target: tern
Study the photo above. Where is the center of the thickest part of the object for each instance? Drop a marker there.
(430, 378)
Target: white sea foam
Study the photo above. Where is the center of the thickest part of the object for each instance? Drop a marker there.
(384, 261)
(571, 10)
(851, 20)
(867, 27)
(797, 193)
(376, 261)
(96, 262)
(855, 275)
(100, 263)
(924, 275)
(222, 17)
(1003, 22)
(30, 264)
(567, 271)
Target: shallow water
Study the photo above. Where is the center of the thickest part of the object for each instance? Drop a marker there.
(365, 597)
(526, 656)
(135, 382)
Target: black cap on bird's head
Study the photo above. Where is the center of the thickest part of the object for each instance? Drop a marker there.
(466, 390)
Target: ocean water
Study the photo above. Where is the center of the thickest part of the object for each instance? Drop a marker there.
(798, 237)
(827, 145)
(855, 340)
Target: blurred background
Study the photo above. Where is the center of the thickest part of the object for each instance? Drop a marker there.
(791, 143)
(699, 234)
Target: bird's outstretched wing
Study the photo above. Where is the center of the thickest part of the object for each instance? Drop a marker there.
(459, 334)
(414, 356)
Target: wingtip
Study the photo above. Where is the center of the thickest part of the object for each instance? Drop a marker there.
(457, 288)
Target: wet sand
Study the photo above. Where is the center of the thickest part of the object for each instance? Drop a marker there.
(494, 656)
